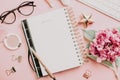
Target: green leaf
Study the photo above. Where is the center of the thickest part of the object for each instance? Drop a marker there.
(89, 34)
(92, 57)
(117, 61)
(88, 45)
(106, 63)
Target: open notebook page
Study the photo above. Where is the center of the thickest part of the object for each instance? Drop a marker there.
(53, 41)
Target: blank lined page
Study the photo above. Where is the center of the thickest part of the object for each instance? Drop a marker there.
(108, 7)
(53, 41)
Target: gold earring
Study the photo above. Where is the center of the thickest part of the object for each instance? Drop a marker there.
(19, 58)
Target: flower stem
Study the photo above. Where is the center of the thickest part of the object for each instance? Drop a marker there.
(115, 70)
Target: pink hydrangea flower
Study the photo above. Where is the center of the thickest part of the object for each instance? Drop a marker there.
(106, 45)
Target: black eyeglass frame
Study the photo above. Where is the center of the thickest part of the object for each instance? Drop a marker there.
(24, 4)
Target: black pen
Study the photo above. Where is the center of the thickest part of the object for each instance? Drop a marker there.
(46, 69)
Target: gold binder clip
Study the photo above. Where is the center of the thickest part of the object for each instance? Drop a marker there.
(9, 72)
(87, 74)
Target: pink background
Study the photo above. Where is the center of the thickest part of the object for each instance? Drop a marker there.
(24, 72)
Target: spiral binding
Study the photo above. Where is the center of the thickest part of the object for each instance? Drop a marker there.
(75, 33)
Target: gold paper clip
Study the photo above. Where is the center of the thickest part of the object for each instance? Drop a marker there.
(9, 72)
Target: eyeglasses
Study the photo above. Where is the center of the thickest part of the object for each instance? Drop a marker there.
(26, 8)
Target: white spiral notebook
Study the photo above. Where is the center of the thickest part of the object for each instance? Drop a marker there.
(54, 37)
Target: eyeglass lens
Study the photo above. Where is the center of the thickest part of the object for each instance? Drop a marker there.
(26, 8)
